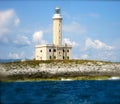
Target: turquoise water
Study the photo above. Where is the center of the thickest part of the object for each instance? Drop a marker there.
(60, 92)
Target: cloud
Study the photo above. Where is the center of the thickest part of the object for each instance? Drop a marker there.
(69, 42)
(4, 40)
(8, 35)
(74, 27)
(96, 44)
(8, 23)
(8, 20)
(38, 37)
(66, 15)
(84, 56)
(95, 15)
(97, 50)
(21, 41)
(14, 56)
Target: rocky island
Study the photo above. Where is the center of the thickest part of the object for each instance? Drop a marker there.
(58, 70)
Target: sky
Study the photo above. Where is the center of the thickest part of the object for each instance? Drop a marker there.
(91, 27)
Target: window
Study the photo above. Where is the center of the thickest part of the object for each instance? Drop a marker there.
(50, 57)
(67, 50)
(49, 50)
(54, 57)
(67, 57)
(54, 50)
(63, 57)
(63, 50)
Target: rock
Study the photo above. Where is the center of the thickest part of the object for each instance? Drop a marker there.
(61, 69)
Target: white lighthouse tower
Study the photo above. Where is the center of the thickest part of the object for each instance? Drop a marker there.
(57, 27)
(55, 51)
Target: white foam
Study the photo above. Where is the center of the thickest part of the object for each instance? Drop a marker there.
(63, 79)
(114, 78)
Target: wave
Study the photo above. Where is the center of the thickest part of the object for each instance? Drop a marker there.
(114, 78)
(66, 79)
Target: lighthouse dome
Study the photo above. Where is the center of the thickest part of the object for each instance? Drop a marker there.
(57, 14)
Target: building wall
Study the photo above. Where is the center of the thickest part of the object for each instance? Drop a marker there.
(49, 53)
(53, 53)
(40, 53)
(57, 31)
(58, 53)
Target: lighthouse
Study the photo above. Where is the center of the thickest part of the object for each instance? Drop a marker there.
(57, 27)
(56, 50)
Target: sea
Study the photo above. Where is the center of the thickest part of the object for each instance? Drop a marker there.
(61, 92)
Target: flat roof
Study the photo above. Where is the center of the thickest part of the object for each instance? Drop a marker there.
(52, 45)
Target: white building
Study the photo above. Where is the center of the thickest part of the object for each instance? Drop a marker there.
(55, 50)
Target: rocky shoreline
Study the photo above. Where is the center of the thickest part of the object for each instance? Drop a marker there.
(57, 69)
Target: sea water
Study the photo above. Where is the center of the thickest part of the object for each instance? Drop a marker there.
(60, 92)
